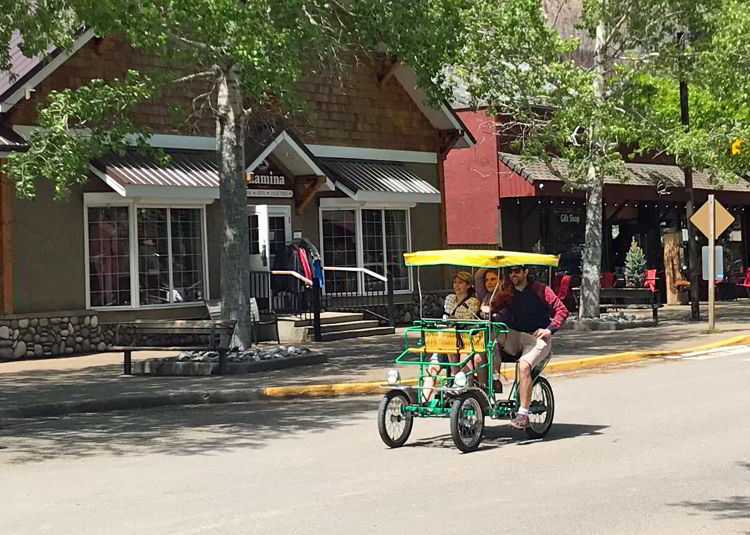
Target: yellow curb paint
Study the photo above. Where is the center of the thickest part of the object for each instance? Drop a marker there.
(375, 387)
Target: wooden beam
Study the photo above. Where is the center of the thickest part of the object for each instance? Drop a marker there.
(6, 249)
(386, 74)
(447, 139)
(305, 189)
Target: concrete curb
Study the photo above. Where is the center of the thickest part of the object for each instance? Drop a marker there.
(164, 399)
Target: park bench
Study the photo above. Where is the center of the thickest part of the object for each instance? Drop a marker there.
(143, 335)
(626, 298)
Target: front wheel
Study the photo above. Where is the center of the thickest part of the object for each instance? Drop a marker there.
(394, 424)
(541, 409)
(467, 422)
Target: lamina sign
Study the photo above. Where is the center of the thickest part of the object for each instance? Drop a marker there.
(570, 218)
(265, 175)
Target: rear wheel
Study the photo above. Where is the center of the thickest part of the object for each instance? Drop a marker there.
(467, 422)
(541, 409)
(394, 424)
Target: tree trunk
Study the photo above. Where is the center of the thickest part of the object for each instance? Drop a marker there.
(592, 255)
(235, 253)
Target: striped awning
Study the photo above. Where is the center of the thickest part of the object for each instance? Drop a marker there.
(365, 180)
(184, 169)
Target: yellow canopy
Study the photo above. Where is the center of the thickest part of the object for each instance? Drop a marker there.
(478, 258)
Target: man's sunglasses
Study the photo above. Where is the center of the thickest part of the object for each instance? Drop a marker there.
(517, 270)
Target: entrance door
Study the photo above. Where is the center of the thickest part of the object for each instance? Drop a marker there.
(270, 231)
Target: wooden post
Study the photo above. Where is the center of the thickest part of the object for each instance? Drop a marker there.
(672, 241)
(711, 263)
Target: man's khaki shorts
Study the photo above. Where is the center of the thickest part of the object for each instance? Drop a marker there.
(532, 349)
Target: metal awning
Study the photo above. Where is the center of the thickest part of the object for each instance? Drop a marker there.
(10, 141)
(365, 180)
(192, 174)
(638, 174)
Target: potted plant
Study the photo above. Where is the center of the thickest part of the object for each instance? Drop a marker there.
(683, 291)
(635, 266)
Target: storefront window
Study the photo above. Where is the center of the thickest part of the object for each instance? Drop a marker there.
(109, 256)
(383, 239)
(168, 245)
(340, 249)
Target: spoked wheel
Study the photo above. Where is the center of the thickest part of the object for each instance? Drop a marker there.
(541, 409)
(394, 424)
(467, 422)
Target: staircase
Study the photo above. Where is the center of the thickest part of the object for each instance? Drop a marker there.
(333, 326)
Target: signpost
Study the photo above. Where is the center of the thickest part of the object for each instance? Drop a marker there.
(712, 219)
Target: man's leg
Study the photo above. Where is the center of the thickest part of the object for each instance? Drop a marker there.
(534, 350)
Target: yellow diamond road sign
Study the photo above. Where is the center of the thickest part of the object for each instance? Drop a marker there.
(722, 219)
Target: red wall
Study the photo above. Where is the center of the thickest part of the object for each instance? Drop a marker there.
(471, 193)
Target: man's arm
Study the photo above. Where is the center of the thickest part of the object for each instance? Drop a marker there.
(555, 305)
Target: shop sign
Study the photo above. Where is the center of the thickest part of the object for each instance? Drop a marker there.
(267, 181)
(570, 218)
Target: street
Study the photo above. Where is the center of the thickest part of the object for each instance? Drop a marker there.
(662, 447)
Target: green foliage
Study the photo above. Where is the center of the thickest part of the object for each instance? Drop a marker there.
(268, 45)
(635, 266)
(77, 126)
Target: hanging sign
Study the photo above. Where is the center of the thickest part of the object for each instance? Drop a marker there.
(267, 181)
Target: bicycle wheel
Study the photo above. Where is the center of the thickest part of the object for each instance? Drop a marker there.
(467, 422)
(541, 409)
(394, 425)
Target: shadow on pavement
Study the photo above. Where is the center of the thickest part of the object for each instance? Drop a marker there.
(731, 508)
(503, 435)
(183, 431)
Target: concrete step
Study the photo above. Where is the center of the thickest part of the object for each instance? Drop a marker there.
(357, 333)
(345, 326)
(326, 318)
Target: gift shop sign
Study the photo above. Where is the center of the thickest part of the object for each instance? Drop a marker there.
(570, 218)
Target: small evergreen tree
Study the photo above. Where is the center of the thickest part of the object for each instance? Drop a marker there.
(635, 266)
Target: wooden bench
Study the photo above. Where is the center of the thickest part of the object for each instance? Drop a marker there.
(625, 298)
(217, 333)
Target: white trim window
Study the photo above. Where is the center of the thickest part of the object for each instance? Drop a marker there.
(374, 238)
(142, 255)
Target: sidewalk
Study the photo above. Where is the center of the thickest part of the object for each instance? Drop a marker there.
(98, 377)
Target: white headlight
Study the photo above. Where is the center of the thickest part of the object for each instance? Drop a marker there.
(460, 380)
(393, 377)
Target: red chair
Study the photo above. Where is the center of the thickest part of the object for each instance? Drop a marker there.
(607, 280)
(556, 280)
(562, 292)
(746, 282)
(650, 281)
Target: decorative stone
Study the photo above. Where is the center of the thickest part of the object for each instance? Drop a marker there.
(23, 323)
(86, 345)
(70, 342)
(29, 354)
(71, 328)
(65, 319)
(43, 322)
(6, 353)
(65, 332)
(28, 337)
(68, 350)
(38, 350)
(20, 350)
(4, 332)
(14, 324)
(77, 347)
(16, 334)
(32, 330)
(84, 332)
(37, 338)
(94, 321)
(74, 320)
(55, 321)
(34, 322)
(79, 339)
(101, 346)
(55, 349)
(47, 353)
(6, 343)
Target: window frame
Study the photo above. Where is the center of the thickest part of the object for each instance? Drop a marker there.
(345, 204)
(97, 200)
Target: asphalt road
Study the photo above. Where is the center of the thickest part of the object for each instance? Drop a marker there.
(659, 448)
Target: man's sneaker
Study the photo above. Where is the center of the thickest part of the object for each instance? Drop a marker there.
(521, 421)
